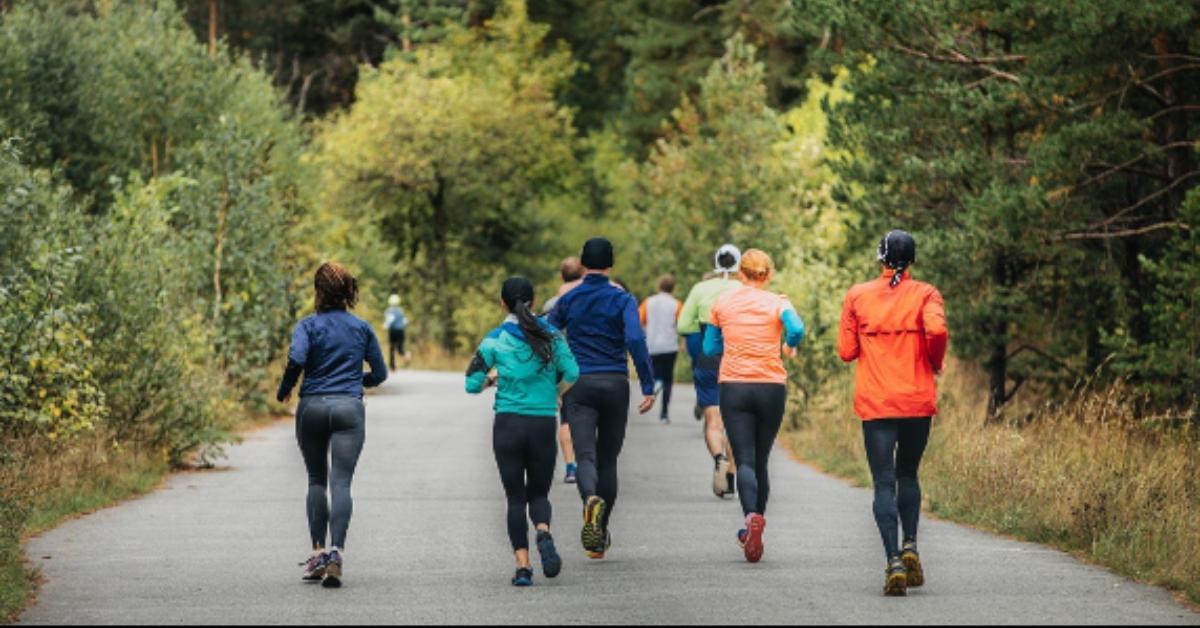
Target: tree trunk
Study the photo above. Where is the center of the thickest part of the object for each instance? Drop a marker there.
(212, 28)
(406, 38)
(441, 230)
(997, 364)
(219, 253)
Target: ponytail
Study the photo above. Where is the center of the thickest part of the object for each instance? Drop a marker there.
(540, 339)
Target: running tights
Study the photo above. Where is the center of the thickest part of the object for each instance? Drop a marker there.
(597, 409)
(330, 431)
(526, 449)
(894, 450)
(753, 413)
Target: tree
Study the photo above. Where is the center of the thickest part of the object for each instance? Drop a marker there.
(455, 152)
(1036, 149)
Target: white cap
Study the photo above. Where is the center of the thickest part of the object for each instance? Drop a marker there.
(737, 258)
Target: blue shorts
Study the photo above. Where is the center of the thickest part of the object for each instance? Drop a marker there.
(708, 391)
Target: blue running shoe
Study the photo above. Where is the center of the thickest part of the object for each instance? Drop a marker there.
(570, 477)
(551, 561)
(523, 577)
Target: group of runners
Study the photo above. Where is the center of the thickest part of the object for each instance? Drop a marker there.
(574, 359)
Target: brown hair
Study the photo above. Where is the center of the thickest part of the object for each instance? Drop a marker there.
(336, 288)
(756, 265)
(666, 283)
(570, 269)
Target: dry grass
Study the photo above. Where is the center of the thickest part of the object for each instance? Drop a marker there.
(1080, 475)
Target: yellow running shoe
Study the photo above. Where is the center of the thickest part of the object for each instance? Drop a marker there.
(592, 535)
(912, 563)
(896, 584)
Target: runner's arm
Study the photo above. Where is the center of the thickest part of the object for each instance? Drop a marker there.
(688, 319)
(793, 327)
(848, 347)
(714, 342)
(297, 356)
(635, 343)
(478, 369)
(933, 317)
(564, 363)
(379, 372)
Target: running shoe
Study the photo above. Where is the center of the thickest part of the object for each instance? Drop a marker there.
(333, 571)
(599, 555)
(314, 567)
(523, 577)
(665, 420)
(721, 475)
(896, 584)
(570, 478)
(551, 561)
(592, 535)
(912, 563)
(752, 541)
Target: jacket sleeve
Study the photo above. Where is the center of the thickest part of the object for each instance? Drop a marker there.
(378, 373)
(689, 315)
(564, 361)
(793, 326)
(714, 342)
(937, 336)
(477, 370)
(297, 356)
(848, 347)
(635, 343)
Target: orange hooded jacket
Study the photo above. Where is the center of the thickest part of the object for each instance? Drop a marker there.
(898, 335)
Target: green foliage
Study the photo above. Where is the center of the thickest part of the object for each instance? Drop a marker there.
(455, 154)
(1038, 151)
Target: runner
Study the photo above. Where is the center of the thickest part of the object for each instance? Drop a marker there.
(571, 272)
(395, 321)
(601, 322)
(896, 328)
(693, 318)
(658, 315)
(329, 349)
(746, 327)
(533, 365)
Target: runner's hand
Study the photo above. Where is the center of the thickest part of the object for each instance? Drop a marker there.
(287, 399)
(789, 351)
(646, 405)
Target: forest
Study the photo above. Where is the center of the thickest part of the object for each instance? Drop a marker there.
(172, 172)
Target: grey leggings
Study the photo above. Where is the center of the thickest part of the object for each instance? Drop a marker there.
(330, 431)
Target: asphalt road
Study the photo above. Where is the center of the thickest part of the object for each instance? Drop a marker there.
(428, 543)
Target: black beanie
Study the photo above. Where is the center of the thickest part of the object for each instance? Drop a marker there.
(597, 254)
(897, 251)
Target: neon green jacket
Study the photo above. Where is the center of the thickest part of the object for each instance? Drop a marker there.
(700, 301)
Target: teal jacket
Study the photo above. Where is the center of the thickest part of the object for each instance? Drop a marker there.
(525, 385)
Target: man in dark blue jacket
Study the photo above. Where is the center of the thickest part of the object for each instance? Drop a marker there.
(602, 324)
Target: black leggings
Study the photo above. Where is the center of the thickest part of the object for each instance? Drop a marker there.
(894, 450)
(526, 450)
(664, 371)
(330, 431)
(753, 414)
(597, 409)
(395, 343)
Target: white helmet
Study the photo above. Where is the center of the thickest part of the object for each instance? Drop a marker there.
(737, 259)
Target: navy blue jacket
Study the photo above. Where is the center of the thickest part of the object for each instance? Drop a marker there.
(602, 323)
(330, 348)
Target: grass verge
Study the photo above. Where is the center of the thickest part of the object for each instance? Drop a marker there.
(1080, 475)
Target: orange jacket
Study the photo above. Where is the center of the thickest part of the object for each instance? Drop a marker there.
(898, 335)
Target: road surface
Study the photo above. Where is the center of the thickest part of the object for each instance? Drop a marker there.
(428, 543)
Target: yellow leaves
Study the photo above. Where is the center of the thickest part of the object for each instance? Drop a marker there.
(1033, 181)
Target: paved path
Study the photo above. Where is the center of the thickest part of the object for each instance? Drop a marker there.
(428, 544)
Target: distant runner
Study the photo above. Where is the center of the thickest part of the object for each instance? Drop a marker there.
(329, 349)
(601, 323)
(896, 328)
(395, 321)
(658, 315)
(749, 325)
(533, 364)
(693, 318)
(571, 272)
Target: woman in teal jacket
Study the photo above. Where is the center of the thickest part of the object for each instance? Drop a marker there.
(534, 365)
